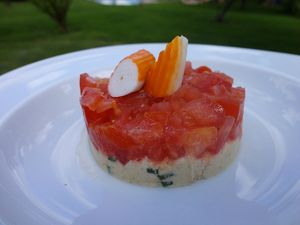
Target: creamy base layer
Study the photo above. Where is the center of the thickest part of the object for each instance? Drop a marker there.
(179, 172)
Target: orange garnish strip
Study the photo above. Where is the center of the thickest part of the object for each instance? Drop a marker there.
(143, 60)
(167, 72)
(130, 74)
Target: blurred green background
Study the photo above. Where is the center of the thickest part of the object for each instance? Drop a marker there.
(28, 34)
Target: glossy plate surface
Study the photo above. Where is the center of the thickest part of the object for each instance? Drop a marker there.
(47, 174)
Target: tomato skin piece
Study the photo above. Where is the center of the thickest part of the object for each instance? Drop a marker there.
(188, 68)
(92, 82)
(198, 119)
(203, 69)
(95, 100)
(224, 79)
(86, 81)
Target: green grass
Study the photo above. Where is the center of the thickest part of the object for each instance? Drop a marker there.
(27, 35)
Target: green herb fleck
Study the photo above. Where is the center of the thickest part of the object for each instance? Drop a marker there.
(108, 169)
(165, 176)
(166, 183)
(151, 170)
(112, 158)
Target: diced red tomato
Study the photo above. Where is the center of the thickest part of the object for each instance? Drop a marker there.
(200, 117)
(197, 140)
(224, 78)
(95, 100)
(201, 112)
(188, 68)
(203, 69)
(87, 81)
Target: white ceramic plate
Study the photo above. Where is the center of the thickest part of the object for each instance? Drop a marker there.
(47, 176)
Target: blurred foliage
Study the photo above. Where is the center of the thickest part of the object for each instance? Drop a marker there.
(56, 9)
(15, 0)
(27, 35)
(291, 6)
(8, 2)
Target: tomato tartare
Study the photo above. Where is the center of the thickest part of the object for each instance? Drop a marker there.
(171, 140)
(197, 121)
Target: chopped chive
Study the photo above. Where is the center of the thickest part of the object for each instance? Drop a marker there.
(166, 183)
(151, 170)
(165, 176)
(108, 169)
(112, 158)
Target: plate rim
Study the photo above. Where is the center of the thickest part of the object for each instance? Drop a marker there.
(82, 51)
(41, 62)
